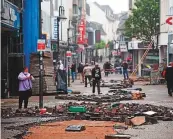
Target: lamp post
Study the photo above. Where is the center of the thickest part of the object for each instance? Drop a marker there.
(60, 17)
(68, 45)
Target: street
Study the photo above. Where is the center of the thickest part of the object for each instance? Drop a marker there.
(155, 95)
(49, 47)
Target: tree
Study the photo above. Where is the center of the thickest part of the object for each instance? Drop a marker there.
(111, 45)
(100, 45)
(144, 21)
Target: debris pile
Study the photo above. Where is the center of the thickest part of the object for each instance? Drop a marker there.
(117, 84)
(131, 114)
(113, 95)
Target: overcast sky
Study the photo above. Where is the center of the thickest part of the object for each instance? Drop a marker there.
(117, 5)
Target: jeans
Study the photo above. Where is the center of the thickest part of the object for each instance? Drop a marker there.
(73, 74)
(89, 78)
(125, 73)
(96, 82)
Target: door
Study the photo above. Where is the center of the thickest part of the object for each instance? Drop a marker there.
(16, 65)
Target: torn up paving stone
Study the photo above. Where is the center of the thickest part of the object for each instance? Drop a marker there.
(75, 128)
(118, 136)
(137, 121)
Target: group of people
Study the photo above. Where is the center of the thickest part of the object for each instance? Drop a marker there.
(88, 75)
(108, 69)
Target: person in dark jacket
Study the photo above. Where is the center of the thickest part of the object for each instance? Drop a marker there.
(80, 71)
(125, 70)
(107, 67)
(169, 78)
(73, 71)
(96, 77)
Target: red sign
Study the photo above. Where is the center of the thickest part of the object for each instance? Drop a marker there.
(41, 45)
(115, 53)
(68, 54)
(169, 20)
(81, 31)
(97, 36)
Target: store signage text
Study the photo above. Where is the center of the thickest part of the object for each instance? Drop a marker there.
(10, 15)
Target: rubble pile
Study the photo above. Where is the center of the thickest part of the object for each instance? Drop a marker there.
(113, 96)
(131, 114)
(48, 73)
(118, 84)
(119, 90)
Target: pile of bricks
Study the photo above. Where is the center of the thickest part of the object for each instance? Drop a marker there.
(48, 73)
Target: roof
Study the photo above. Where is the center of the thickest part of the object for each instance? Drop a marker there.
(96, 26)
(106, 7)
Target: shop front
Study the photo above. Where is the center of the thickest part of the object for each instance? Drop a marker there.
(11, 48)
(151, 60)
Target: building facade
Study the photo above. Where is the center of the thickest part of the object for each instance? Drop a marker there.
(107, 24)
(12, 57)
(166, 31)
(74, 10)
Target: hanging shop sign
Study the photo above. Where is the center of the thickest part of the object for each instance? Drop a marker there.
(54, 28)
(115, 53)
(169, 20)
(68, 54)
(10, 15)
(81, 31)
(123, 47)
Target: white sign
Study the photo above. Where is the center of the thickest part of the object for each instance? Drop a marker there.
(123, 47)
(55, 28)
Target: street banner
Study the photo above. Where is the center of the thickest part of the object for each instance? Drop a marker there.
(81, 30)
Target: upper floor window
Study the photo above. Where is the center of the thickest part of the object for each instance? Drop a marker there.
(87, 9)
(170, 7)
(75, 9)
(18, 3)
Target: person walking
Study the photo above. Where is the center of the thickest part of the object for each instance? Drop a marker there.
(73, 71)
(125, 70)
(107, 67)
(96, 77)
(101, 58)
(169, 78)
(25, 87)
(80, 71)
(87, 71)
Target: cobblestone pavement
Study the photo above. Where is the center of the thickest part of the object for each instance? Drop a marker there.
(155, 94)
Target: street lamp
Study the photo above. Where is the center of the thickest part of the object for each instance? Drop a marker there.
(68, 44)
(60, 17)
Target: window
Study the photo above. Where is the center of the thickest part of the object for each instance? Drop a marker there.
(88, 9)
(18, 3)
(75, 9)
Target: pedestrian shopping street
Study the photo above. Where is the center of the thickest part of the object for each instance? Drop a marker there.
(86, 69)
(155, 95)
